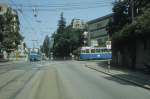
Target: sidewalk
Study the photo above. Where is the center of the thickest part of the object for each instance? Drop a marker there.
(9, 62)
(134, 77)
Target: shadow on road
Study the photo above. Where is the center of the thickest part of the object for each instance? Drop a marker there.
(125, 73)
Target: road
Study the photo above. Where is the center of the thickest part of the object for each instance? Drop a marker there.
(27, 81)
(83, 83)
(63, 80)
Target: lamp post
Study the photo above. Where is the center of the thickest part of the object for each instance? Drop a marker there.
(132, 9)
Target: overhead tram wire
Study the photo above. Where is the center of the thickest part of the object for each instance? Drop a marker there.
(65, 8)
(58, 7)
(26, 21)
(66, 5)
(25, 18)
(49, 6)
(73, 6)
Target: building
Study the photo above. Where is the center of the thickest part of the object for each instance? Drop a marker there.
(3, 9)
(97, 31)
(22, 50)
(78, 24)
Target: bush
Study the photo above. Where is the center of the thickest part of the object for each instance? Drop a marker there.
(139, 28)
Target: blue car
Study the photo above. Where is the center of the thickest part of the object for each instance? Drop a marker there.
(34, 57)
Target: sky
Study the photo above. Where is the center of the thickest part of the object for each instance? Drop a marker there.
(48, 13)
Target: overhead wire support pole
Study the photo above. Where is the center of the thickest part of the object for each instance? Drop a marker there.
(34, 43)
(132, 9)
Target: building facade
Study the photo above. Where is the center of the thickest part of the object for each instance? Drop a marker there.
(78, 24)
(3, 9)
(97, 34)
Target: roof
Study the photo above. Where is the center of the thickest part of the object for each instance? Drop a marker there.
(100, 18)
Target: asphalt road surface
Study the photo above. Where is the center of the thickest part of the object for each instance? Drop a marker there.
(63, 80)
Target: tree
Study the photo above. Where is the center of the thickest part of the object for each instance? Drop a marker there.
(9, 30)
(122, 13)
(61, 24)
(1, 27)
(125, 31)
(129, 29)
(121, 16)
(67, 39)
(140, 28)
(75, 38)
(46, 46)
(58, 37)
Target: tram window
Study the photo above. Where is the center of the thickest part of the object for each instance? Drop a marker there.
(102, 50)
(105, 50)
(109, 50)
(93, 51)
(98, 50)
(87, 51)
(82, 51)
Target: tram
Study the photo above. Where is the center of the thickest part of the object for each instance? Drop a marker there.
(89, 53)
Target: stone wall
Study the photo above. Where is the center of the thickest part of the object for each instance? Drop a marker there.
(123, 56)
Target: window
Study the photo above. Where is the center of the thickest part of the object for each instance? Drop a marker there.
(98, 51)
(87, 51)
(82, 51)
(93, 51)
(102, 50)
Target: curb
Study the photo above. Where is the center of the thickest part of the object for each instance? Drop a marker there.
(104, 60)
(6, 64)
(124, 79)
(10, 63)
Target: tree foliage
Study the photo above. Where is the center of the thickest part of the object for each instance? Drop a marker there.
(67, 42)
(46, 46)
(125, 32)
(140, 28)
(58, 37)
(67, 39)
(121, 16)
(61, 24)
(121, 26)
(9, 30)
(1, 27)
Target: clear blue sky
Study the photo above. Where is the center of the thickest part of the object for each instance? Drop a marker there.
(49, 14)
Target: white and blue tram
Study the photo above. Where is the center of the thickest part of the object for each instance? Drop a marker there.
(95, 53)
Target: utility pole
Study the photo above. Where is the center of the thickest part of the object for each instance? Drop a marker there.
(89, 38)
(132, 10)
(34, 43)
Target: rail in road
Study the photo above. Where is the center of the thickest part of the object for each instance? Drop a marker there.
(64, 80)
(14, 78)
